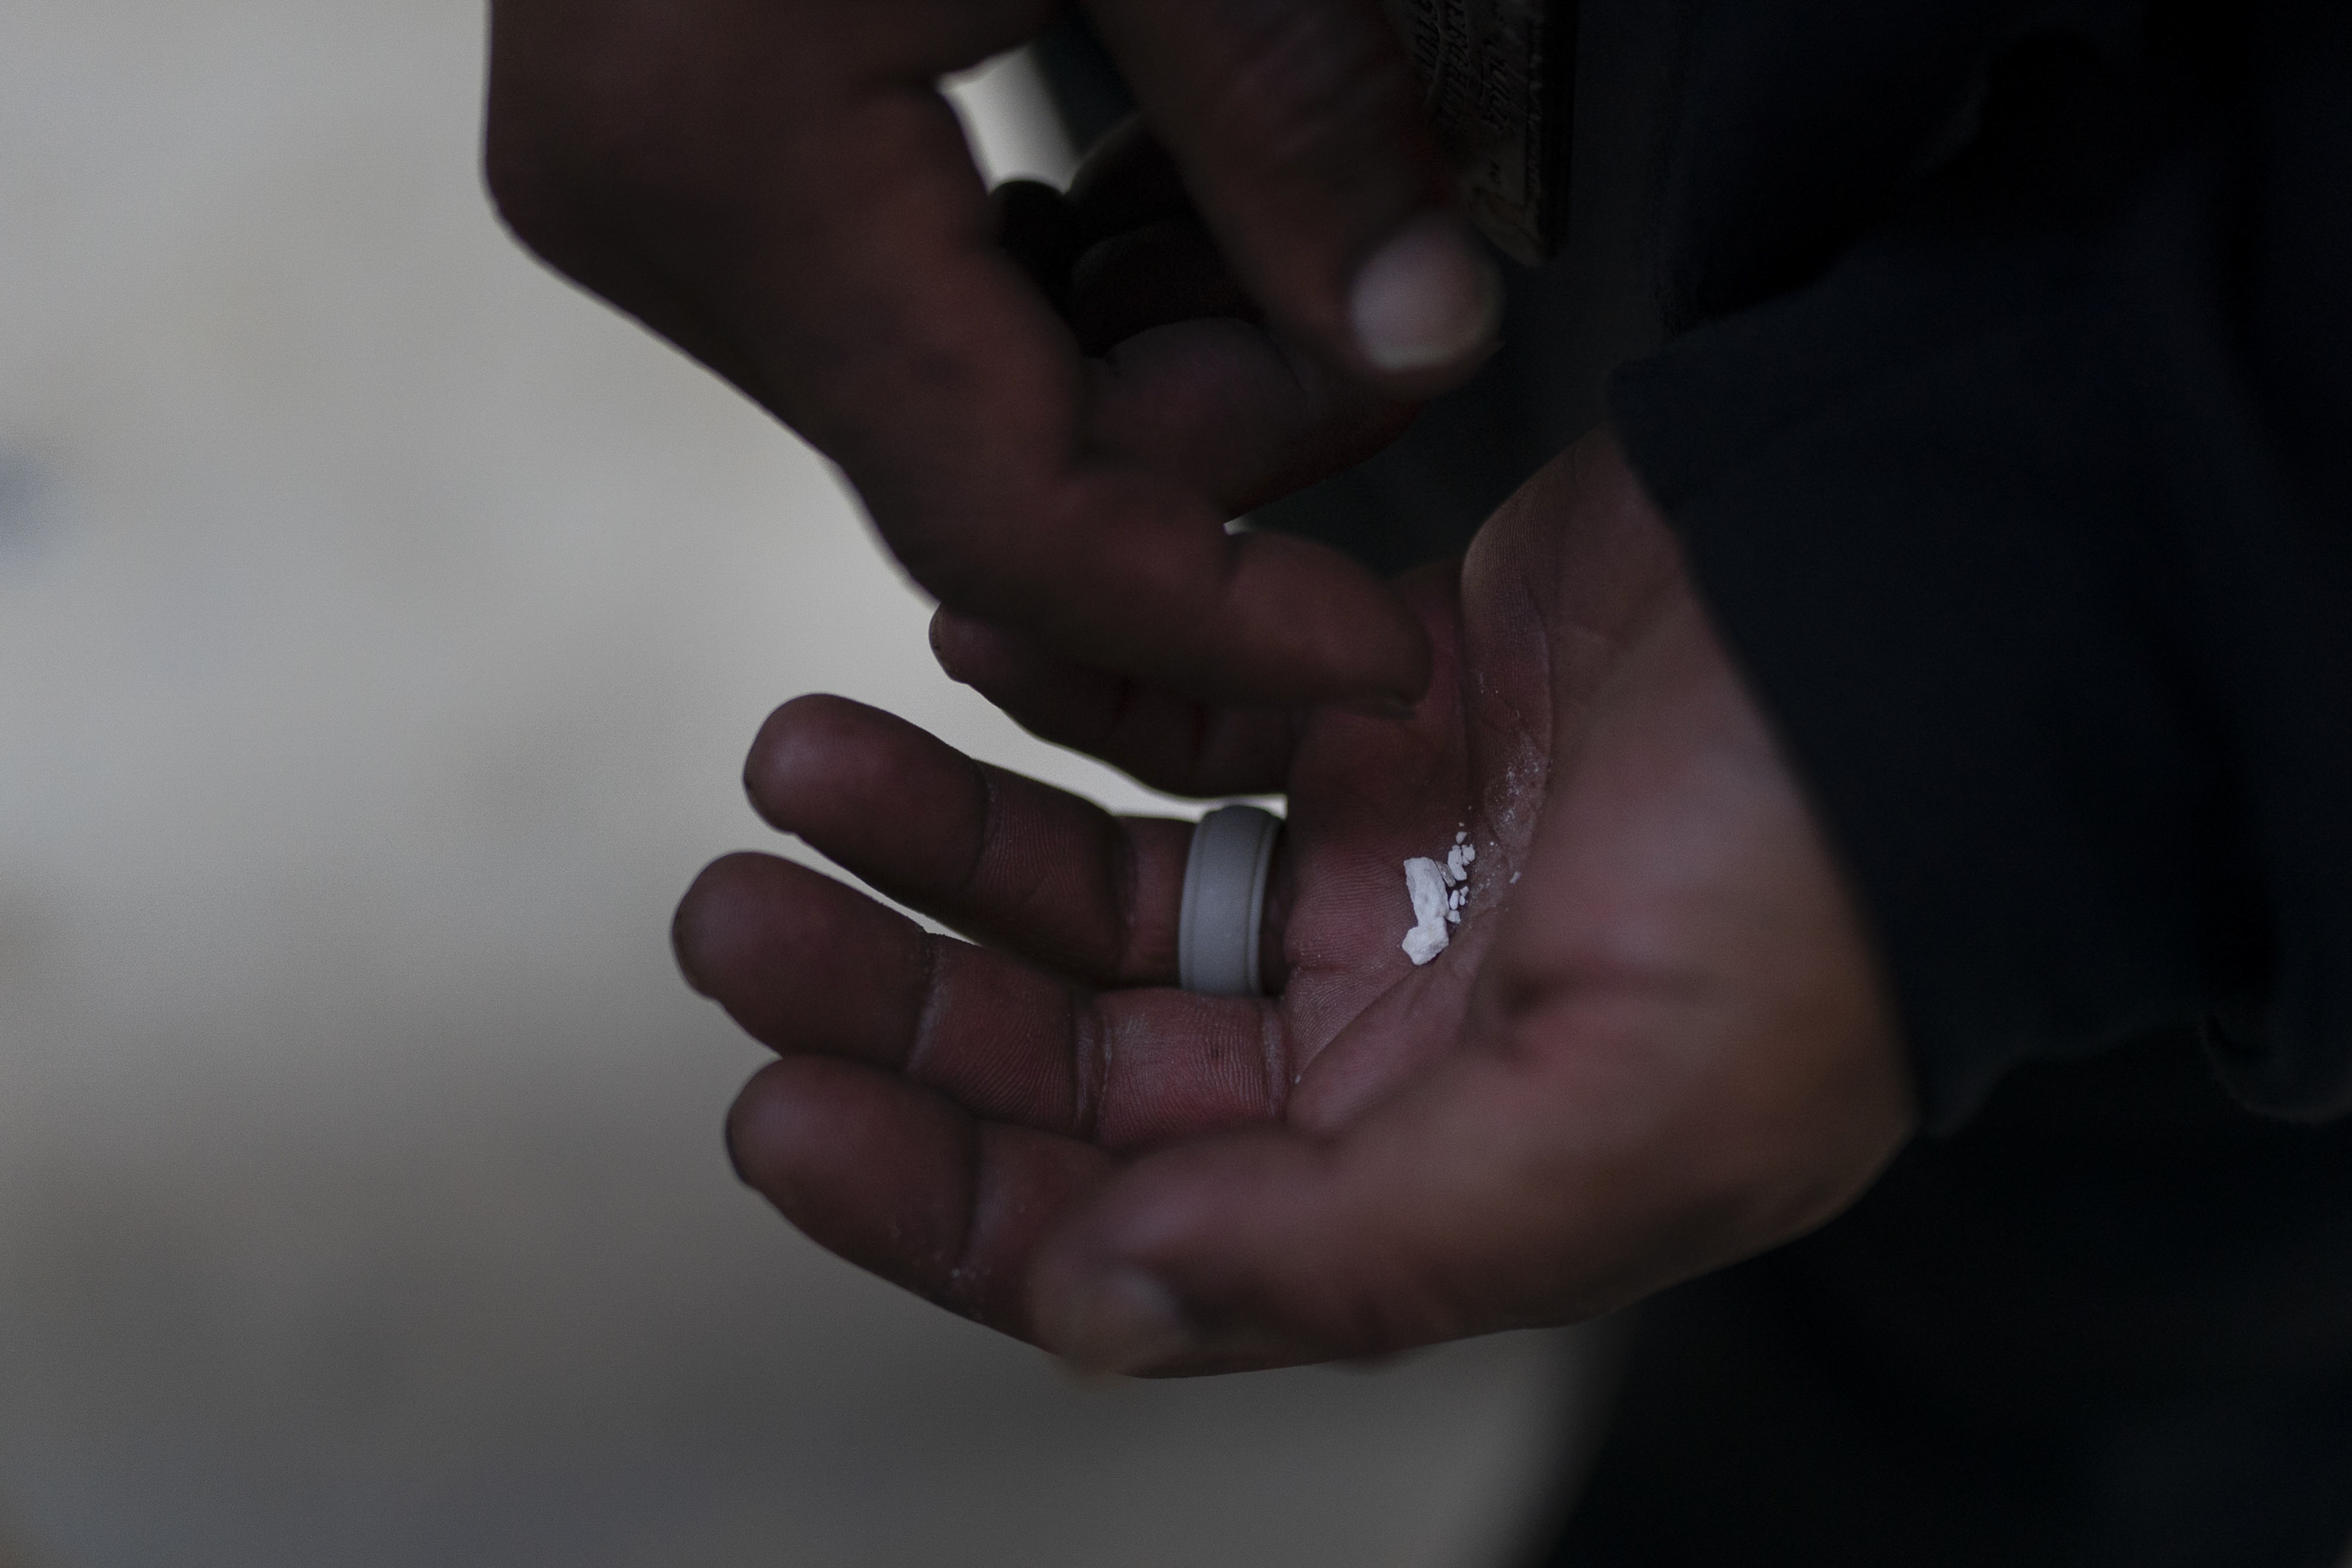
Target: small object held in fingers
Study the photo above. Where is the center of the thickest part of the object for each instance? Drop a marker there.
(1498, 78)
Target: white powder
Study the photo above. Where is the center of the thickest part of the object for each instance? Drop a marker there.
(1425, 880)
(1440, 893)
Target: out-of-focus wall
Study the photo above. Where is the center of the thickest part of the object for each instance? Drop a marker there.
(381, 625)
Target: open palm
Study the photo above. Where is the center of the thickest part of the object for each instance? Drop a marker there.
(1657, 1043)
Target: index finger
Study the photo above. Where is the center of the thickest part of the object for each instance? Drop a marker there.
(782, 188)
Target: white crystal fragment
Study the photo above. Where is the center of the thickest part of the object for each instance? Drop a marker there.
(1425, 882)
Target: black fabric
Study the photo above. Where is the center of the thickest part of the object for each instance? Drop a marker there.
(2107, 1325)
(1082, 82)
(2008, 424)
(2013, 453)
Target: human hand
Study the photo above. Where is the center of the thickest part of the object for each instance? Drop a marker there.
(1657, 1044)
(777, 187)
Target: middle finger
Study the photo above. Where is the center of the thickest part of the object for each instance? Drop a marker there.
(1003, 859)
(809, 966)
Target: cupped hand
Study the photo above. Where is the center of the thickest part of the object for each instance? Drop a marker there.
(1658, 1042)
(779, 187)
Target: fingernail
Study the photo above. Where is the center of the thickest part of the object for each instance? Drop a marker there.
(1427, 299)
(1126, 1323)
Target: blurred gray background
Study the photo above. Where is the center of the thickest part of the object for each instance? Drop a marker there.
(381, 624)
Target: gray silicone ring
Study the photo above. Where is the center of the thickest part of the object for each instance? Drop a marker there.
(1224, 912)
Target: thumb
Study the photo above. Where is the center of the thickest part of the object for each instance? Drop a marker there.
(1298, 127)
(1451, 1212)
(1514, 1186)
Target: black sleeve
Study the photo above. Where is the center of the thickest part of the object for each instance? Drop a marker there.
(2028, 517)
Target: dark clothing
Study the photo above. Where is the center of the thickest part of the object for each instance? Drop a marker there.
(2005, 410)
(2007, 422)
(2012, 448)
(2107, 1325)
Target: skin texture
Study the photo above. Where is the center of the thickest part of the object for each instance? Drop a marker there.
(1659, 1042)
(777, 187)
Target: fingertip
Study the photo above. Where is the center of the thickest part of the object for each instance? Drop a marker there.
(800, 962)
(827, 769)
(704, 927)
(1121, 1324)
(1427, 300)
(1388, 673)
(1270, 621)
(739, 1133)
(1386, 709)
(941, 632)
(796, 753)
(1413, 668)
(1309, 626)
(866, 1163)
(962, 646)
(785, 1120)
